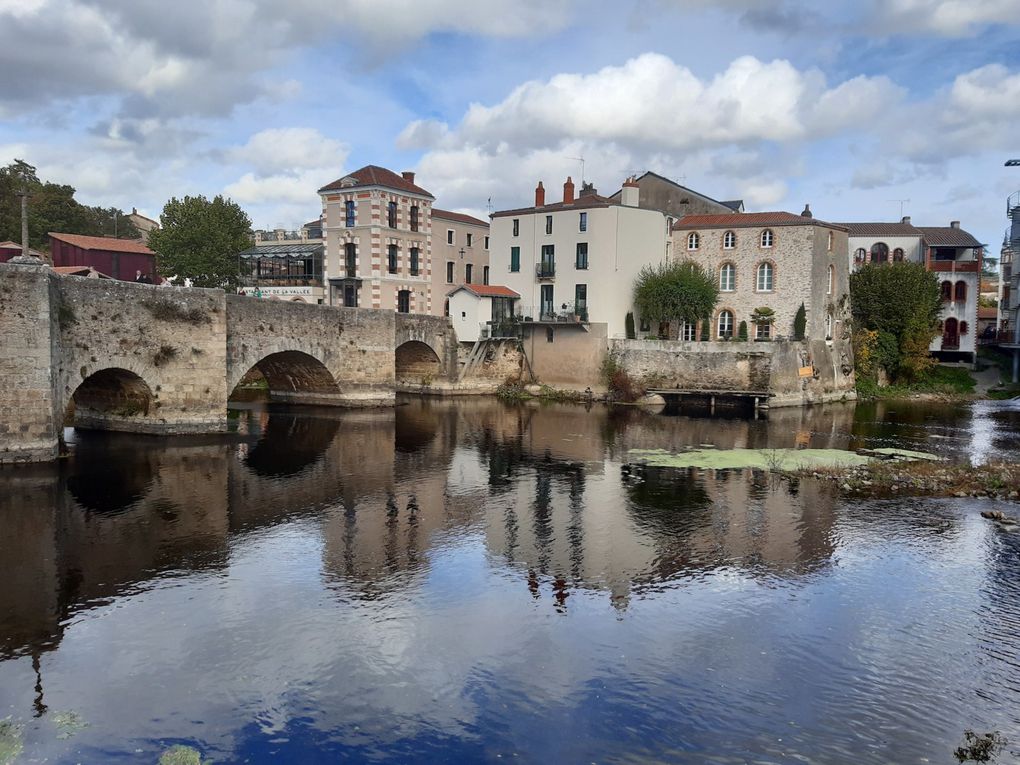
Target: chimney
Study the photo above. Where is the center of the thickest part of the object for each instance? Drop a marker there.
(134, 211)
(540, 195)
(954, 224)
(630, 193)
(588, 190)
(568, 191)
(906, 219)
(807, 212)
(408, 176)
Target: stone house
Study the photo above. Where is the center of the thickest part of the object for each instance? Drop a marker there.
(774, 261)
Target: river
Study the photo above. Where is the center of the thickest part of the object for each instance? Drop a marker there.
(472, 581)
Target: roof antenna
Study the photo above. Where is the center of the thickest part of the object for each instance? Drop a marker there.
(902, 202)
(581, 160)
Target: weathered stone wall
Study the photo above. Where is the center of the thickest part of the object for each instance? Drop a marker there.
(434, 331)
(567, 356)
(773, 367)
(354, 346)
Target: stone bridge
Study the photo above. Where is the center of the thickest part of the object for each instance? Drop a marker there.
(113, 355)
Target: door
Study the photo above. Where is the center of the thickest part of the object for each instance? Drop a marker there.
(548, 309)
(350, 296)
(950, 335)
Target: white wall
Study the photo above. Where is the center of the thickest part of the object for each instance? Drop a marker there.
(467, 313)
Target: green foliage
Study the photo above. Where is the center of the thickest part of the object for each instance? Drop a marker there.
(800, 323)
(629, 326)
(706, 329)
(620, 384)
(675, 292)
(742, 331)
(763, 315)
(52, 207)
(900, 301)
(199, 239)
(939, 381)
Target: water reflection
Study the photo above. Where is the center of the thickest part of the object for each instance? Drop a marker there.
(380, 584)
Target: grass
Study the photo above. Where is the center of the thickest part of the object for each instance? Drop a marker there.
(941, 381)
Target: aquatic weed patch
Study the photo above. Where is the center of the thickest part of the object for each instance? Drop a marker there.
(11, 741)
(783, 460)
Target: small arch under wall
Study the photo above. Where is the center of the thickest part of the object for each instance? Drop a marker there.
(114, 398)
(296, 377)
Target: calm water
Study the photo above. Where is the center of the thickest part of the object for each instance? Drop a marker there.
(470, 582)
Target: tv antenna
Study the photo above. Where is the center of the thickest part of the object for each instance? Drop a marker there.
(902, 202)
(581, 160)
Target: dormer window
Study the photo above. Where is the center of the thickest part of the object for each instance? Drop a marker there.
(693, 240)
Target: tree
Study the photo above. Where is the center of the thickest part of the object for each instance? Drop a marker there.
(675, 292)
(800, 323)
(742, 332)
(901, 302)
(199, 239)
(628, 323)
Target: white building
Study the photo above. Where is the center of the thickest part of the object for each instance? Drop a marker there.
(481, 310)
(577, 259)
(948, 251)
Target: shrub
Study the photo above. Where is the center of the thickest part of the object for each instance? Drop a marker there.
(742, 332)
(675, 292)
(620, 384)
(800, 323)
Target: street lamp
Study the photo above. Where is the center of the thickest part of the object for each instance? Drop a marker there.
(26, 258)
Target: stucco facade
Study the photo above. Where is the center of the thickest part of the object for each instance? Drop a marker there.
(577, 257)
(460, 254)
(774, 260)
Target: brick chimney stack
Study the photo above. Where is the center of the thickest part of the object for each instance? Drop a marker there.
(540, 195)
(408, 176)
(631, 193)
(568, 191)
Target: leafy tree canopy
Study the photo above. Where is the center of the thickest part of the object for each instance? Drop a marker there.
(52, 207)
(200, 238)
(678, 291)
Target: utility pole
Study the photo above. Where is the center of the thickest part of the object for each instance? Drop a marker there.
(24, 222)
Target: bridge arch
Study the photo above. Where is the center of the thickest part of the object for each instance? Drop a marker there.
(416, 363)
(294, 376)
(113, 398)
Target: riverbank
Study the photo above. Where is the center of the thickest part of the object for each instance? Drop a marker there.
(922, 478)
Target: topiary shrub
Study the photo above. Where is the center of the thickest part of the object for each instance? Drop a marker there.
(742, 332)
(800, 323)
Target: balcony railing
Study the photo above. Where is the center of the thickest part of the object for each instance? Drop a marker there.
(545, 270)
(561, 313)
(958, 266)
(506, 329)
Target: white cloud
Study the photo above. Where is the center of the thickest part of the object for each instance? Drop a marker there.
(948, 18)
(288, 150)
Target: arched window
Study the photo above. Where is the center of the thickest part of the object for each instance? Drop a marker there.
(860, 256)
(879, 252)
(763, 277)
(725, 327)
(727, 277)
(828, 326)
(832, 280)
(729, 240)
(960, 292)
(829, 247)
(692, 241)
(947, 291)
(766, 238)
(897, 255)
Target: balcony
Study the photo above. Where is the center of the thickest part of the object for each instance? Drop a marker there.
(564, 313)
(545, 271)
(955, 266)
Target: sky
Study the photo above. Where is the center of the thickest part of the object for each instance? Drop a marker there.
(856, 107)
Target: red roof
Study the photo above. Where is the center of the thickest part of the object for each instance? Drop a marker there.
(748, 220)
(947, 236)
(487, 290)
(106, 243)
(457, 217)
(79, 271)
(586, 202)
(373, 175)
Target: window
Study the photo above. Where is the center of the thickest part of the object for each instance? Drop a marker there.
(349, 213)
(486, 242)
(548, 265)
(729, 240)
(414, 261)
(644, 325)
(725, 328)
(828, 326)
(692, 241)
(351, 256)
(689, 332)
(351, 296)
(467, 273)
(766, 238)
(763, 281)
(548, 224)
(485, 274)
(391, 215)
(404, 301)
(515, 258)
(581, 301)
(517, 227)
(897, 255)
(960, 292)
(727, 277)
(582, 224)
(879, 252)
(449, 271)
(470, 239)
(392, 258)
(829, 245)
(832, 280)
(547, 307)
(414, 217)
(946, 289)
(582, 256)
(449, 236)
(860, 256)
(763, 330)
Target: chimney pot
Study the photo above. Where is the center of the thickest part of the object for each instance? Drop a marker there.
(568, 191)
(408, 176)
(906, 219)
(807, 212)
(954, 224)
(540, 195)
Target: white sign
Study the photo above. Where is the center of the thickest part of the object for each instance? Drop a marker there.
(282, 291)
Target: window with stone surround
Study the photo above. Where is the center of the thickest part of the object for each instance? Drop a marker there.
(832, 280)
(349, 213)
(860, 256)
(897, 255)
(766, 238)
(391, 215)
(727, 277)
(724, 327)
(763, 330)
(449, 271)
(693, 240)
(764, 277)
(689, 332)
(729, 240)
(449, 236)
(391, 258)
(829, 245)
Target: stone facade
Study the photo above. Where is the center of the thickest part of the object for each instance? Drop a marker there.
(808, 261)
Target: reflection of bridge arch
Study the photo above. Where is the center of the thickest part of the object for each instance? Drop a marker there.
(114, 398)
(416, 363)
(294, 376)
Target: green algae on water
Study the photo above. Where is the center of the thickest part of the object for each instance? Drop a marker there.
(179, 754)
(764, 459)
(11, 744)
(68, 723)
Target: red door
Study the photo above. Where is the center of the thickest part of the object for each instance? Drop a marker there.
(950, 335)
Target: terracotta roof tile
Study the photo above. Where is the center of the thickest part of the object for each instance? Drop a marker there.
(947, 236)
(882, 229)
(457, 217)
(373, 175)
(587, 202)
(107, 243)
(748, 220)
(486, 290)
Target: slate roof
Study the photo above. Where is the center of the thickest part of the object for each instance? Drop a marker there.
(749, 220)
(373, 175)
(947, 236)
(486, 290)
(734, 204)
(106, 243)
(457, 217)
